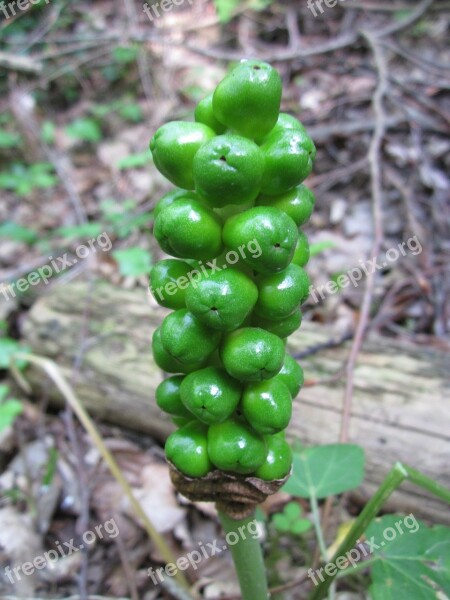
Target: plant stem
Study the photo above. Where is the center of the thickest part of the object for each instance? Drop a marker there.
(318, 527)
(247, 558)
(59, 380)
(395, 477)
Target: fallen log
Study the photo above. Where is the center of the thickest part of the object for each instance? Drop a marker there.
(399, 412)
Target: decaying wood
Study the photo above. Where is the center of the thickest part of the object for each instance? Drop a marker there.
(400, 408)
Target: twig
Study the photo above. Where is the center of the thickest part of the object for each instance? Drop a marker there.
(403, 24)
(376, 187)
(280, 55)
(66, 390)
(20, 63)
(377, 201)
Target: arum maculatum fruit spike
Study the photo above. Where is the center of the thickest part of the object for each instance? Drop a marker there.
(234, 278)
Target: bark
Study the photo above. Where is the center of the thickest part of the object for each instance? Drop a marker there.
(399, 413)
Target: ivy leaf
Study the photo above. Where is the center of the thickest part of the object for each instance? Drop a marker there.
(133, 261)
(327, 470)
(412, 564)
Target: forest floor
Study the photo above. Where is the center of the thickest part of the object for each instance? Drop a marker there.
(83, 88)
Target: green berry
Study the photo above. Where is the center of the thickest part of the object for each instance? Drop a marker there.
(210, 394)
(186, 339)
(291, 374)
(166, 361)
(204, 114)
(168, 282)
(181, 421)
(302, 253)
(187, 449)
(223, 300)
(170, 197)
(188, 229)
(228, 170)
(278, 460)
(280, 327)
(252, 354)
(168, 397)
(173, 148)
(288, 158)
(280, 294)
(234, 446)
(248, 99)
(298, 203)
(273, 230)
(267, 405)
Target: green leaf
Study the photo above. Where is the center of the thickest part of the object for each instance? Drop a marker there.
(16, 232)
(131, 112)
(86, 130)
(301, 526)
(127, 226)
(133, 261)
(9, 410)
(281, 522)
(134, 161)
(84, 230)
(48, 132)
(41, 175)
(225, 9)
(125, 54)
(8, 347)
(315, 249)
(9, 139)
(292, 510)
(412, 564)
(50, 470)
(327, 470)
(4, 391)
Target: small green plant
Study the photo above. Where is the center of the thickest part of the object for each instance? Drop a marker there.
(133, 261)
(84, 130)
(10, 408)
(23, 179)
(291, 520)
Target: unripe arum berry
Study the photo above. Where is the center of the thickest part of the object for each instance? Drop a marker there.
(234, 276)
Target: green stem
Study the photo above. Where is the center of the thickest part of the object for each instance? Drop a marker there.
(395, 477)
(247, 557)
(318, 527)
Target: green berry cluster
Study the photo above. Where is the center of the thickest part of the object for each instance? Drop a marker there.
(238, 170)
